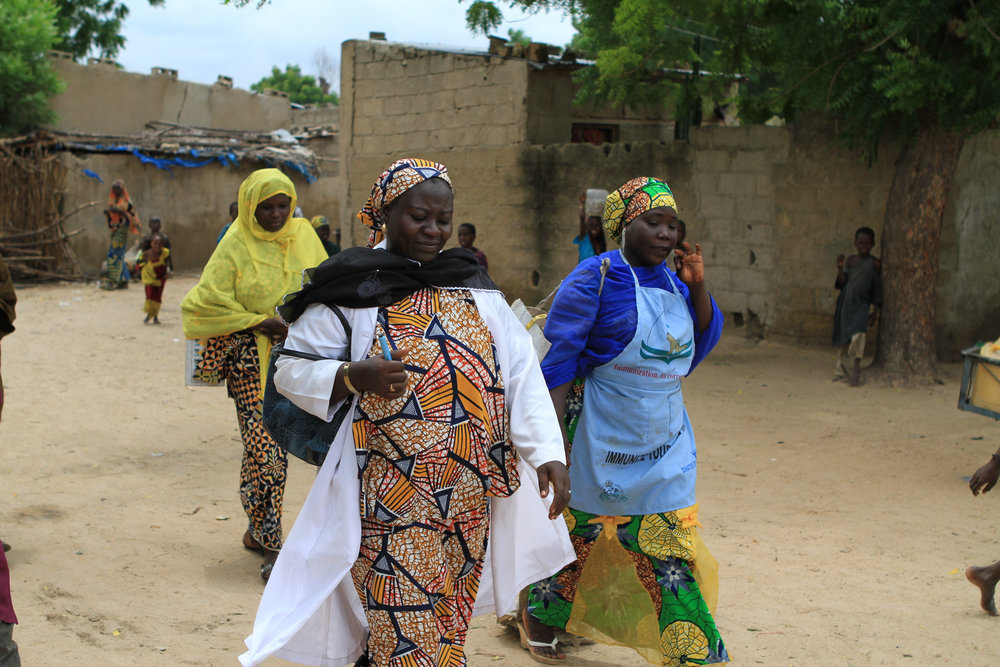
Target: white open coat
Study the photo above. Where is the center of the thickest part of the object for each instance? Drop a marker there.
(310, 612)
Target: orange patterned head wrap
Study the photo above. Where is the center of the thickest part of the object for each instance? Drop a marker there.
(394, 181)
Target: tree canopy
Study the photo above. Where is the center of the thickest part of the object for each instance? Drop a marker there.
(27, 81)
(877, 65)
(91, 26)
(923, 73)
(301, 88)
(883, 68)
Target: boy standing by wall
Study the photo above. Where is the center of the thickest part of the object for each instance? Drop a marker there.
(860, 285)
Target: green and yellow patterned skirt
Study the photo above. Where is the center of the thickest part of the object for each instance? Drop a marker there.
(647, 582)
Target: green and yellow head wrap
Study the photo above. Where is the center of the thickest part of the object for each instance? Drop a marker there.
(632, 200)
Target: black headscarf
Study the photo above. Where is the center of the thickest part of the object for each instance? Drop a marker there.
(365, 278)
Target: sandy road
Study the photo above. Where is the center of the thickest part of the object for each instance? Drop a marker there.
(839, 516)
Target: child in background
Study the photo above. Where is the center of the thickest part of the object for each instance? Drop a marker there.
(322, 226)
(156, 227)
(860, 285)
(466, 237)
(591, 241)
(234, 211)
(153, 264)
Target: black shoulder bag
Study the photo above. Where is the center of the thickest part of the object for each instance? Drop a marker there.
(299, 433)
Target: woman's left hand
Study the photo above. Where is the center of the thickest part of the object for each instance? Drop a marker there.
(556, 474)
(689, 263)
(273, 328)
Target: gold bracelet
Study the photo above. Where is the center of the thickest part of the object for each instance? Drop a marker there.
(347, 379)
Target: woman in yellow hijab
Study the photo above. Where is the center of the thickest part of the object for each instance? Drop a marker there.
(232, 309)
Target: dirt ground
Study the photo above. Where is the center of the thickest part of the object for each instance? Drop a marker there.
(840, 517)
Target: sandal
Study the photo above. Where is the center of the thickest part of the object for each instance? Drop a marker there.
(268, 565)
(531, 645)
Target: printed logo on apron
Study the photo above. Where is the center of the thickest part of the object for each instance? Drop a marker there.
(676, 351)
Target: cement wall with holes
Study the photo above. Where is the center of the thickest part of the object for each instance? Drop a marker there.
(772, 207)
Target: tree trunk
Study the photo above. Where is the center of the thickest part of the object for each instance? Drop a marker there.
(911, 234)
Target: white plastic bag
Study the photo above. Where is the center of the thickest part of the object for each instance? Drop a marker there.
(533, 320)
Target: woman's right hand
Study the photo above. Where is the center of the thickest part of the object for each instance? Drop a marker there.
(985, 478)
(380, 376)
(274, 328)
(556, 474)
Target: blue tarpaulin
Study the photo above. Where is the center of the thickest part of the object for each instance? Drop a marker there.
(227, 159)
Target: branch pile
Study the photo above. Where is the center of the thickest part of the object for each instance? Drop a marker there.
(33, 242)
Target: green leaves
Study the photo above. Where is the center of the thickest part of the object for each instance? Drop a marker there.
(878, 66)
(882, 66)
(301, 88)
(483, 17)
(87, 27)
(27, 32)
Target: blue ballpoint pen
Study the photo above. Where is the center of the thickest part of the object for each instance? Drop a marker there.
(386, 352)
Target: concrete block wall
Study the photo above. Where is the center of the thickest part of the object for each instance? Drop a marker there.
(325, 145)
(324, 115)
(733, 215)
(400, 99)
(549, 106)
(102, 99)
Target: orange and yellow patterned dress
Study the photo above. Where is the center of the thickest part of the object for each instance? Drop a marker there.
(427, 461)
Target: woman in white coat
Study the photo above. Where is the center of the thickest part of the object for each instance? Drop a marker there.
(449, 451)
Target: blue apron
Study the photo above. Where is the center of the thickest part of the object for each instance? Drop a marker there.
(634, 452)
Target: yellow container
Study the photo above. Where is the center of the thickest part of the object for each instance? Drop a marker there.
(984, 390)
(984, 386)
